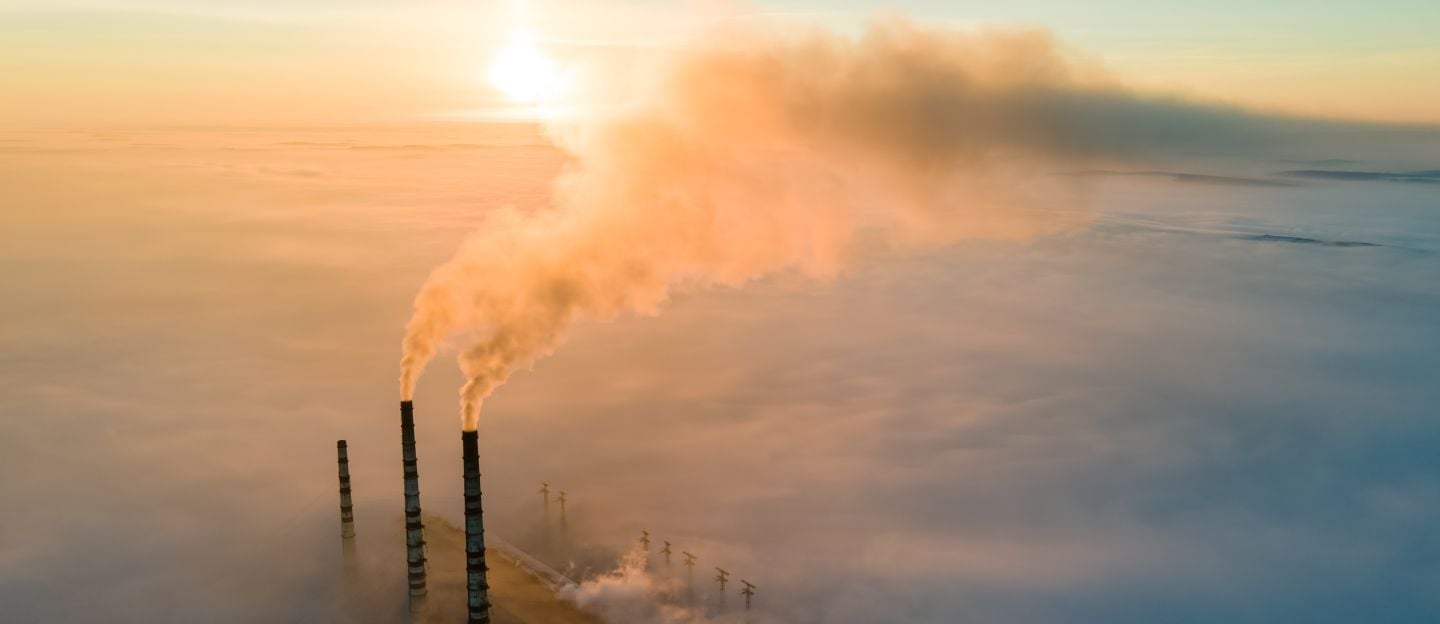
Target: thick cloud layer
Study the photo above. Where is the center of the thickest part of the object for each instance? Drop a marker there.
(1160, 417)
(1214, 402)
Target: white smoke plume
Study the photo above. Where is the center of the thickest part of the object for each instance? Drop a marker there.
(757, 152)
(629, 594)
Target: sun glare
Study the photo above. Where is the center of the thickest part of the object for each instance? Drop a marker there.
(522, 73)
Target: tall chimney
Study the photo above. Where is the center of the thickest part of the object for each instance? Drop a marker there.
(477, 586)
(414, 529)
(347, 510)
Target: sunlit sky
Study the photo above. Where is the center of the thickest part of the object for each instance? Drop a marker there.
(1075, 354)
(184, 61)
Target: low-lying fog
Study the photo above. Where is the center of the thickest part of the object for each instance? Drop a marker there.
(1216, 402)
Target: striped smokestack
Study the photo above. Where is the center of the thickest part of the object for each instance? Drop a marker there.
(414, 529)
(347, 510)
(477, 586)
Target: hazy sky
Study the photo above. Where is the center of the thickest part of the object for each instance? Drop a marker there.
(75, 62)
(1201, 389)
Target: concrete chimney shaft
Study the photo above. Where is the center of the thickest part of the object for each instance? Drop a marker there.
(347, 509)
(414, 528)
(477, 586)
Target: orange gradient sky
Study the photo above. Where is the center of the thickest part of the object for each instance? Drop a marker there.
(188, 61)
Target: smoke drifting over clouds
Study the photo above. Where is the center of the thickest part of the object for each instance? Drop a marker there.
(1173, 415)
(764, 152)
(1159, 418)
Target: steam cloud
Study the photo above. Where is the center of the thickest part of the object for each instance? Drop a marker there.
(761, 152)
(630, 594)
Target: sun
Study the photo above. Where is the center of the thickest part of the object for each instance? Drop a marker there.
(522, 73)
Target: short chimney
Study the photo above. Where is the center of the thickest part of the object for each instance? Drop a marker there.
(347, 509)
